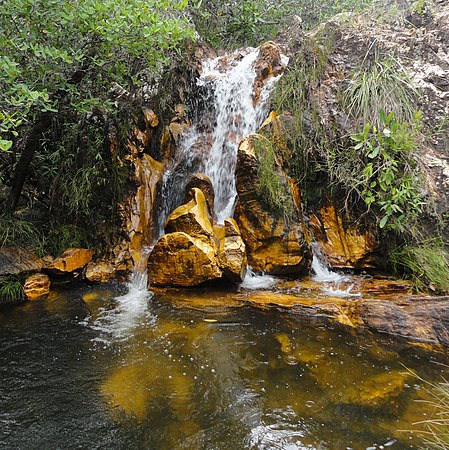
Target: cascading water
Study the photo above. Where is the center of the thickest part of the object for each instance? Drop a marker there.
(334, 283)
(228, 85)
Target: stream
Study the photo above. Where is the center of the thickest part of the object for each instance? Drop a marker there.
(116, 366)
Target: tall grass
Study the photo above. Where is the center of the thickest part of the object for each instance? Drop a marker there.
(436, 432)
(11, 290)
(380, 85)
(426, 264)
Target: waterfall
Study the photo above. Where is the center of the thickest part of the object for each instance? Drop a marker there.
(211, 145)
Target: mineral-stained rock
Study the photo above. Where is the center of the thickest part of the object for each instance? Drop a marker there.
(204, 184)
(15, 260)
(344, 247)
(182, 260)
(100, 271)
(376, 391)
(231, 251)
(273, 245)
(36, 286)
(72, 259)
(192, 218)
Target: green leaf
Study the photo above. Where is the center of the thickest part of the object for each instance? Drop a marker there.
(383, 221)
(5, 145)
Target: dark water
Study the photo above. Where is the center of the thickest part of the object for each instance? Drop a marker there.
(83, 369)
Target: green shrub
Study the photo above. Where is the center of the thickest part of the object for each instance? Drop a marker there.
(18, 232)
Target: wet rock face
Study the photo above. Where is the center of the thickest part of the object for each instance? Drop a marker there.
(273, 246)
(182, 260)
(204, 184)
(36, 286)
(196, 250)
(344, 247)
(15, 260)
(100, 271)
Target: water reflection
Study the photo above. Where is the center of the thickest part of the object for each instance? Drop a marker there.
(201, 377)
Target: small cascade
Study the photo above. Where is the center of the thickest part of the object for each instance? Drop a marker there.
(236, 115)
(235, 105)
(254, 281)
(130, 310)
(334, 283)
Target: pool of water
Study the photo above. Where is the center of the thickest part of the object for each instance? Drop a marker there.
(104, 367)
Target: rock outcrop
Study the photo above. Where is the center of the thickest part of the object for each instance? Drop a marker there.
(274, 245)
(194, 249)
(71, 260)
(15, 261)
(36, 286)
(100, 272)
(345, 247)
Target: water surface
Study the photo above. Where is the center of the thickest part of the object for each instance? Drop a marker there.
(102, 368)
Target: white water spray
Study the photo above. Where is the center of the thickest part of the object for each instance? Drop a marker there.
(236, 116)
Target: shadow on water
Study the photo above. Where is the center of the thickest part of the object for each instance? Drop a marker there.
(109, 367)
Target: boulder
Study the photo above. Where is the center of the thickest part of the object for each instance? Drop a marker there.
(344, 246)
(274, 245)
(36, 286)
(72, 259)
(231, 251)
(192, 218)
(15, 260)
(182, 260)
(100, 271)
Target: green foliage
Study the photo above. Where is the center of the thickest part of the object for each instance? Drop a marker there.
(57, 54)
(17, 231)
(426, 264)
(294, 94)
(231, 24)
(383, 85)
(11, 290)
(385, 171)
(273, 187)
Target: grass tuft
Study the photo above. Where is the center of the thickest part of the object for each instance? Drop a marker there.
(11, 290)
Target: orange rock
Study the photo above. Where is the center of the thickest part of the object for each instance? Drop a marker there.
(192, 218)
(36, 286)
(72, 259)
(344, 247)
(182, 260)
(273, 245)
(231, 251)
(100, 271)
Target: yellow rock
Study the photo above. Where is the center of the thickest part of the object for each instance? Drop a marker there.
(181, 260)
(192, 218)
(273, 245)
(231, 251)
(36, 286)
(344, 247)
(100, 271)
(72, 259)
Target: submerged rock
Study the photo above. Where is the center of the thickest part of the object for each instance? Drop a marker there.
(182, 260)
(72, 259)
(274, 245)
(36, 286)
